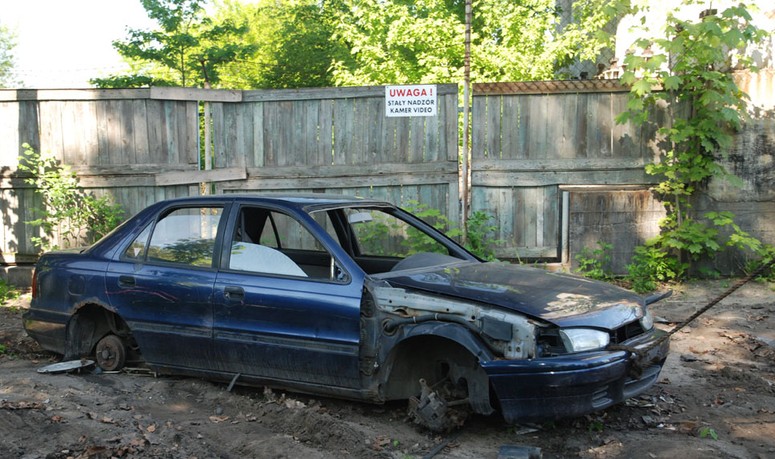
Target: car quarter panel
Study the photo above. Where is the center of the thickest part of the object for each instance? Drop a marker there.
(66, 281)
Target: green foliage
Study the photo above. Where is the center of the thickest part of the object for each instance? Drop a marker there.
(708, 432)
(480, 232)
(595, 263)
(480, 235)
(293, 42)
(7, 292)
(382, 236)
(188, 48)
(596, 425)
(7, 44)
(660, 261)
(308, 43)
(68, 215)
(767, 253)
(417, 241)
(687, 71)
(422, 41)
(651, 265)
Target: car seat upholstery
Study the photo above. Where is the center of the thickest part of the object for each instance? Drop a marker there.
(262, 259)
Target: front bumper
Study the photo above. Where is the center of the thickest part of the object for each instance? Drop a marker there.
(575, 384)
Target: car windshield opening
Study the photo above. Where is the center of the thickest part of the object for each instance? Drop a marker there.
(379, 240)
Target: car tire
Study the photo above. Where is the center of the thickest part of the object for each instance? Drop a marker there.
(110, 353)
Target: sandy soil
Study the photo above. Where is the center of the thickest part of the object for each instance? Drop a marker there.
(716, 398)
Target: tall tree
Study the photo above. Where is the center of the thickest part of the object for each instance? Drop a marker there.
(7, 44)
(188, 48)
(402, 41)
(293, 41)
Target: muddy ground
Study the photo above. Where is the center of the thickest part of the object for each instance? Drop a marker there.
(716, 398)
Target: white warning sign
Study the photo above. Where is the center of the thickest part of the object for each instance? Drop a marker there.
(410, 100)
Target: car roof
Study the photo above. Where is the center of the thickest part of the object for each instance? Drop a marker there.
(300, 200)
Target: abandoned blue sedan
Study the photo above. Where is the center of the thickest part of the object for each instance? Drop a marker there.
(343, 297)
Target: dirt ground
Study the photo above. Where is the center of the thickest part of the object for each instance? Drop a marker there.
(716, 398)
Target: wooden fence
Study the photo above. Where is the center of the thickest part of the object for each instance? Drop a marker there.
(548, 160)
(535, 143)
(144, 145)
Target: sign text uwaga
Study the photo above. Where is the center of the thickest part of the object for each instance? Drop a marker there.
(413, 100)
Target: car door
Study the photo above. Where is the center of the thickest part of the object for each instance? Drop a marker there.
(284, 309)
(162, 286)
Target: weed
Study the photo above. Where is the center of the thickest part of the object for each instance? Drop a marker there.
(480, 236)
(708, 432)
(7, 292)
(594, 263)
(695, 139)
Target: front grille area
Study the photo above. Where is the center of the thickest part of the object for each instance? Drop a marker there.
(626, 332)
(549, 343)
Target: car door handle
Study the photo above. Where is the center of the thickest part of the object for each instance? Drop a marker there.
(126, 281)
(234, 293)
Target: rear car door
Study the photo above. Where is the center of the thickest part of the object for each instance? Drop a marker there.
(284, 308)
(162, 286)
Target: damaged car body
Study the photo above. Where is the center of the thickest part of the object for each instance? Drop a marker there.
(344, 297)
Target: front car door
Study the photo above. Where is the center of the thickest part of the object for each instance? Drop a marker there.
(285, 309)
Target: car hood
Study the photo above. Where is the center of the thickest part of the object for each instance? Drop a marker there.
(561, 299)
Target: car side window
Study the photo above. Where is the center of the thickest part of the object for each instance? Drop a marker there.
(275, 243)
(184, 236)
(136, 250)
(379, 234)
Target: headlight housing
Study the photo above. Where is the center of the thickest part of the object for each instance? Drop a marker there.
(584, 339)
(647, 321)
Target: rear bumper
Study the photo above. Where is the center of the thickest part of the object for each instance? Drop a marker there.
(576, 384)
(49, 330)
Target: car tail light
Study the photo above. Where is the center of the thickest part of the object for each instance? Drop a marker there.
(34, 283)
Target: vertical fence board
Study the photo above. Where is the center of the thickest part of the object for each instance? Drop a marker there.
(493, 120)
(156, 144)
(51, 128)
(325, 133)
(141, 135)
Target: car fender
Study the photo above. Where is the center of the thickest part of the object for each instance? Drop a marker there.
(451, 331)
(461, 342)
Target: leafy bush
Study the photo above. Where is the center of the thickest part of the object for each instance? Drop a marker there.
(688, 67)
(68, 216)
(595, 263)
(417, 241)
(767, 254)
(480, 235)
(7, 292)
(652, 265)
